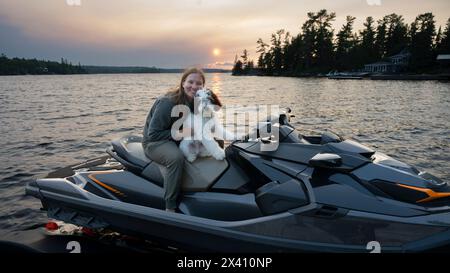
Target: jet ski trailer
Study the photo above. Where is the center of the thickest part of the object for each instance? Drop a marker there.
(312, 194)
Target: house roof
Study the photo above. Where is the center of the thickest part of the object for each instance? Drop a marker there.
(403, 53)
(400, 55)
(443, 57)
(381, 63)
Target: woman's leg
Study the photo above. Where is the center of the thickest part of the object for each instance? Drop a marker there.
(168, 154)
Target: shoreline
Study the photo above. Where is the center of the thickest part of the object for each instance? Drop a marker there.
(399, 77)
(418, 77)
(123, 73)
(389, 77)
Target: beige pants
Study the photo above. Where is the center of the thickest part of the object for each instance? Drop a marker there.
(167, 153)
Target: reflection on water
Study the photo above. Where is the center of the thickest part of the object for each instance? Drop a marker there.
(48, 122)
(215, 83)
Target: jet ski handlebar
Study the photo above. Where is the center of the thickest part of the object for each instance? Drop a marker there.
(285, 117)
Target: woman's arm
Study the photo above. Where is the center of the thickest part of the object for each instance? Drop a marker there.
(159, 121)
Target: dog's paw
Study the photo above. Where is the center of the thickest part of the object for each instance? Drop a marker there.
(191, 158)
(219, 155)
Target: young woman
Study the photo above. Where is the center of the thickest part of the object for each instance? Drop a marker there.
(158, 143)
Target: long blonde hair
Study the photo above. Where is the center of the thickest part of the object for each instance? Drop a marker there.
(177, 94)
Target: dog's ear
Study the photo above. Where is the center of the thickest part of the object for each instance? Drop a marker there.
(215, 99)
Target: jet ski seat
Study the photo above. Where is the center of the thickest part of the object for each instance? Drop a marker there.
(131, 154)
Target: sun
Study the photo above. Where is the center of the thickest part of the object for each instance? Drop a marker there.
(216, 52)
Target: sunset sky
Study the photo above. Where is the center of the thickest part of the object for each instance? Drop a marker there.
(172, 33)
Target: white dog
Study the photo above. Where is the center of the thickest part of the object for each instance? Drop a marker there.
(204, 122)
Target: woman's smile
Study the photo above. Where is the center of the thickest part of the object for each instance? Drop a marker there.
(192, 83)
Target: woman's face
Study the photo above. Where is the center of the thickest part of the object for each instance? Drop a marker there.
(192, 83)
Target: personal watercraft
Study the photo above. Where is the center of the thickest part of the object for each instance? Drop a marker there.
(318, 193)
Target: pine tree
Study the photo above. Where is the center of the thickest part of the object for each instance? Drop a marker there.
(367, 51)
(380, 39)
(444, 45)
(237, 68)
(396, 34)
(244, 57)
(345, 45)
(422, 34)
(438, 39)
(277, 51)
(261, 49)
(318, 45)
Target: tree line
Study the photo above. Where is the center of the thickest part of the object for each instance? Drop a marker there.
(21, 66)
(316, 49)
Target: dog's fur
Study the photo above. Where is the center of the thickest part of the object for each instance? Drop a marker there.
(203, 121)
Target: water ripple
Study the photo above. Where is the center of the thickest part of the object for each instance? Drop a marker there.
(47, 123)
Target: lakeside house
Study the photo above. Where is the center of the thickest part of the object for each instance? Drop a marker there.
(443, 59)
(393, 64)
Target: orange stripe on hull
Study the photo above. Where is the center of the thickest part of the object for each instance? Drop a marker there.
(432, 195)
(92, 177)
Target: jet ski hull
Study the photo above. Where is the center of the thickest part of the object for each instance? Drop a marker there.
(311, 194)
(297, 230)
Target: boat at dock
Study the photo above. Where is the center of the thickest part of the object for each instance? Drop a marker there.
(335, 75)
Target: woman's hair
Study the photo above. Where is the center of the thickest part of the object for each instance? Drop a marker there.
(177, 94)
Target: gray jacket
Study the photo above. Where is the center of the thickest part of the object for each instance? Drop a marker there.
(159, 121)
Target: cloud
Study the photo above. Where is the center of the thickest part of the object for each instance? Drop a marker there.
(220, 65)
(181, 28)
(224, 63)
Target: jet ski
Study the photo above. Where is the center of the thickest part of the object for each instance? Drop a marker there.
(319, 193)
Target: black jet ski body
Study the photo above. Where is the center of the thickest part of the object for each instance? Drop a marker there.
(312, 194)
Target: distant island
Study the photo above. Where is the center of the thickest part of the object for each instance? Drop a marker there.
(388, 46)
(21, 66)
(141, 69)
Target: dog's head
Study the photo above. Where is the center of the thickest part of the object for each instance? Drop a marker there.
(206, 101)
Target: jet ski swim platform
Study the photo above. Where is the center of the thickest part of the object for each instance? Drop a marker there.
(313, 194)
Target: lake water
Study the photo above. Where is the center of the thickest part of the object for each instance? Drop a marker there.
(47, 122)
